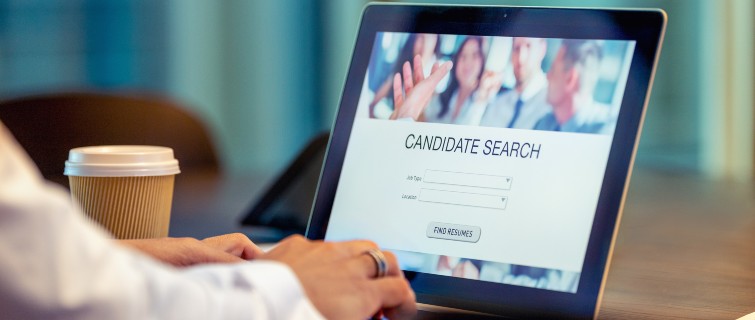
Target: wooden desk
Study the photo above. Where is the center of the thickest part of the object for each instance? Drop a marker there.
(685, 249)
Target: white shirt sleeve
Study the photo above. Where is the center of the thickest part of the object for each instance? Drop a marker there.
(55, 264)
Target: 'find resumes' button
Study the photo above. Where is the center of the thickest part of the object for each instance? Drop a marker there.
(454, 232)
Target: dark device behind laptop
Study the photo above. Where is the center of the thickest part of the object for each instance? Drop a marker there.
(286, 204)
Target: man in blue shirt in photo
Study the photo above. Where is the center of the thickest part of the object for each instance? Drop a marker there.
(571, 88)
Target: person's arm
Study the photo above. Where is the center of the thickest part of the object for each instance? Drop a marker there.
(54, 264)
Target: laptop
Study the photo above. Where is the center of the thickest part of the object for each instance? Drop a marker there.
(490, 149)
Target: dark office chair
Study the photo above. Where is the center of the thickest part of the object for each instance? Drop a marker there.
(48, 126)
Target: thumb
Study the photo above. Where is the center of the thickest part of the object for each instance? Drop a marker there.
(442, 71)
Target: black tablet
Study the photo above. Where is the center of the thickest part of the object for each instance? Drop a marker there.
(490, 149)
(285, 205)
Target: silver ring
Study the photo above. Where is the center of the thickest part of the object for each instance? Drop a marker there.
(380, 262)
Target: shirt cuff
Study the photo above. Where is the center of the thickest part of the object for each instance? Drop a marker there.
(281, 290)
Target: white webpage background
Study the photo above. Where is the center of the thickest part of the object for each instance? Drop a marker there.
(545, 224)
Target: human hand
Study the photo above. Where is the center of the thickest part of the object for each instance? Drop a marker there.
(490, 83)
(182, 252)
(339, 278)
(417, 89)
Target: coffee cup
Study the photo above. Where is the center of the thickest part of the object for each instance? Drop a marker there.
(126, 189)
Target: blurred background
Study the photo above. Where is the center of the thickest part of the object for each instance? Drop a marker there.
(265, 76)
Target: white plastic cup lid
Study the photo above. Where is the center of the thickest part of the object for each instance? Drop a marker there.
(121, 161)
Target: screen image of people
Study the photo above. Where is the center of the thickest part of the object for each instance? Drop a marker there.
(571, 85)
(482, 157)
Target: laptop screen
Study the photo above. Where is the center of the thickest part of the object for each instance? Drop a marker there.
(482, 157)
